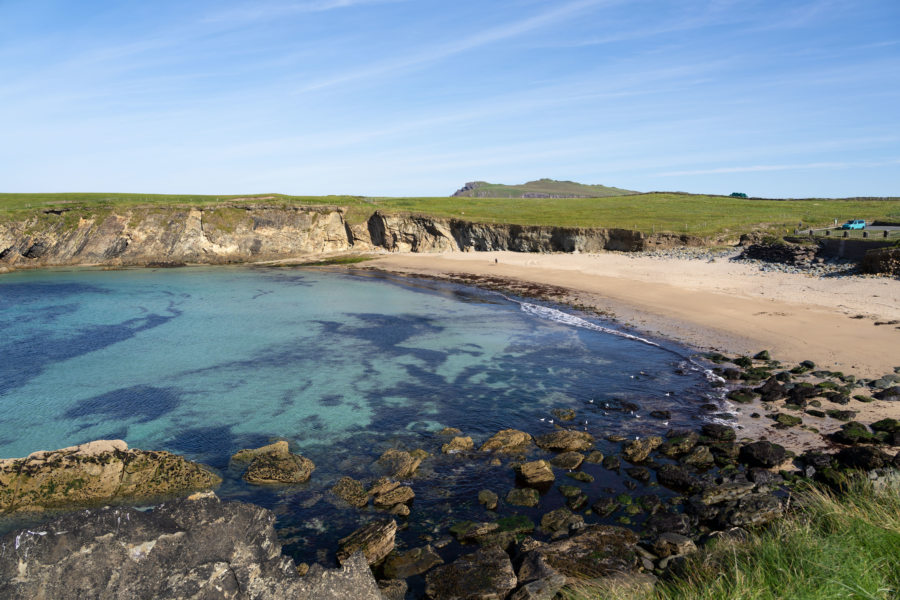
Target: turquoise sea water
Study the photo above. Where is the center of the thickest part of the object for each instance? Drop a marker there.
(205, 361)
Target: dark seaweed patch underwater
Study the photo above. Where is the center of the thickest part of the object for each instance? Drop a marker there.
(207, 361)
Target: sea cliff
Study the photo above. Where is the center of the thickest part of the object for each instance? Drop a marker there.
(142, 236)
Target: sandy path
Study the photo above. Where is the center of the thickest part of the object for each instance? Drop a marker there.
(723, 305)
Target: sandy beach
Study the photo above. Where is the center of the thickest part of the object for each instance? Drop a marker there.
(840, 323)
(722, 305)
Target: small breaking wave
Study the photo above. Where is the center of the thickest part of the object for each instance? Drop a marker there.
(552, 314)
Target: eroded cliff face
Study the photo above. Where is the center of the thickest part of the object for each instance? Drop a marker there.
(226, 234)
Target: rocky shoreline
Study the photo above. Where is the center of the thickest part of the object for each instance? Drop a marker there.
(718, 483)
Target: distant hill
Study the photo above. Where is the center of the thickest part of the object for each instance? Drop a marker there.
(542, 188)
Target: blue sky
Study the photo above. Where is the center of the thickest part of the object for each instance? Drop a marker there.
(416, 97)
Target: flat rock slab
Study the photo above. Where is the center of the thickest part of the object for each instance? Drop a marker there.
(508, 441)
(375, 540)
(193, 548)
(96, 472)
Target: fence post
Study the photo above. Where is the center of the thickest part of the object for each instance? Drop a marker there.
(827, 232)
(847, 233)
(885, 233)
(865, 234)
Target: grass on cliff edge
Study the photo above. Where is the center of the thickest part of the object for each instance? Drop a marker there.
(655, 212)
(845, 546)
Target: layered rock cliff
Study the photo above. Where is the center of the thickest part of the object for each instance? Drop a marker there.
(241, 233)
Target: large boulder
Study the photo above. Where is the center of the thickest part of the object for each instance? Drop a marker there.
(487, 573)
(537, 473)
(197, 547)
(97, 472)
(351, 491)
(762, 454)
(865, 458)
(375, 540)
(274, 464)
(565, 440)
(508, 441)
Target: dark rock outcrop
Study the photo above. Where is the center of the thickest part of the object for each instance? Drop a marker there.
(193, 548)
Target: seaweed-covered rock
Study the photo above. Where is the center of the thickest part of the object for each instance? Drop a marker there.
(762, 454)
(96, 472)
(537, 473)
(865, 458)
(639, 450)
(375, 540)
(720, 433)
(488, 499)
(699, 457)
(508, 441)
(853, 432)
(565, 440)
(678, 443)
(400, 565)
(487, 573)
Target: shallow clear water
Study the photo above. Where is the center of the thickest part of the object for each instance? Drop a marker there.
(205, 361)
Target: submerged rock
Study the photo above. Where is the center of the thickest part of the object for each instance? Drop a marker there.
(488, 499)
(523, 497)
(400, 565)
(399, 463)
(350, 491)
(100, 471)
(487, 573)
(197, 547)
(567, 460)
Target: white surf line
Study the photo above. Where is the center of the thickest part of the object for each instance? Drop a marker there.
(552, 314)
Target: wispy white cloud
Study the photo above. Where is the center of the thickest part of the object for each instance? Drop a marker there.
(274, 10)
(483, 38)
(792, 167)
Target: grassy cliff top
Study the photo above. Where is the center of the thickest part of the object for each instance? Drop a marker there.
(542, 188)
(654, 212)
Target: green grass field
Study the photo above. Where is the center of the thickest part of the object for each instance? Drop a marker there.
(699, 215)
(844, 546)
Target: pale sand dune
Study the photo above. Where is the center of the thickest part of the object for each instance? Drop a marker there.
(730, 307)
(723, 305)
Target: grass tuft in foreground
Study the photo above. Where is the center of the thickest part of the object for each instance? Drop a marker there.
(845, 546)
